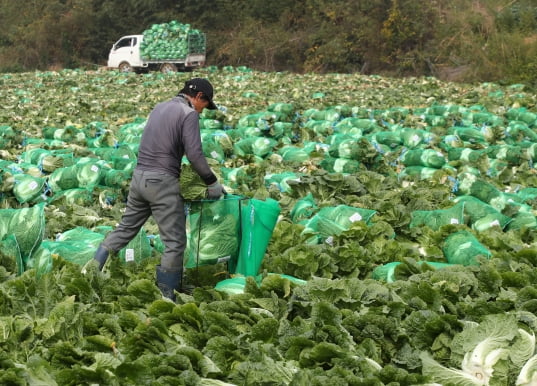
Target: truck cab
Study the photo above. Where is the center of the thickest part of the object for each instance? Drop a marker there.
(125, 53)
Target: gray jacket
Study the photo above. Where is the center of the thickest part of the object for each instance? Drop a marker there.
(171, 132)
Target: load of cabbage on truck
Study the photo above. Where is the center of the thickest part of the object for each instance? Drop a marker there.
(164, 47)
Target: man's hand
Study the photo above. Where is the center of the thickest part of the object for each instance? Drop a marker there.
(215, 191)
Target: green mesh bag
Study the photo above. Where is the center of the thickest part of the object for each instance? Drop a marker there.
(320, 127)
(472, 185)
(345, 147)
(522, 220)
(213, 232)
(211, 124)
(35, 155)
(40, 261)
(363, 125)
(389, 138)
(280, 180)
(466, 154)
(28, 188)
(258, 219)
(464, 248)
(388, 272)
(332, 221)
(63, 179)
(294, 153)
(413, 138)
(88, 173)
(53, 161)
(422, 172)
(78, 196)
(77, 245)
(137, 250)
(423, 157)
(27, 225)
(260, 146)
(304, 209)
(286, 108)
(116, 178)
(69, 134)
(467, 134)
(7, 180)
(434, 219)
(340, 165)
(482, 216)
(10, 255)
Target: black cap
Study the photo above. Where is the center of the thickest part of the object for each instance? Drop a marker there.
(204, 86)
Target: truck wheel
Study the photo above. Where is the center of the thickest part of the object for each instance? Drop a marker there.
(125, 67)
(168, 67)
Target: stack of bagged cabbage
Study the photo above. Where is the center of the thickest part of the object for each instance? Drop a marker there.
(171, 41)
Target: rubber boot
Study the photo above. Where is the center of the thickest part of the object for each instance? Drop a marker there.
(101, 255)
(168, 281)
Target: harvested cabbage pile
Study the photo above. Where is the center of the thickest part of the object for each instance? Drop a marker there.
(171, 41)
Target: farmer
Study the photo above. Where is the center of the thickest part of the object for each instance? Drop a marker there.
(172, 130)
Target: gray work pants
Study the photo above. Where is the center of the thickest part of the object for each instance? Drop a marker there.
(157, 194)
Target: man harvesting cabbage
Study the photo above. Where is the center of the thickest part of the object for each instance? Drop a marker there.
(171, 132)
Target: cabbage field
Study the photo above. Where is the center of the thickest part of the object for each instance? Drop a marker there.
(404, 251)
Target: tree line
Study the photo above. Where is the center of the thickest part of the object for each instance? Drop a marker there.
(464, 40)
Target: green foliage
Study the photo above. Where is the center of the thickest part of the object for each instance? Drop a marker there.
(494, 39)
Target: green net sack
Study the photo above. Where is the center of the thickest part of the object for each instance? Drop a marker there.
(388, 272)
(434, 219)
(213, 232)
(35, 155)
(77, 245)
(78, 196)
(280, 180)
(340, 165)
(481, 215)
(69, 134)
(423, 157)
(304, 209)
(295, 153)
(332, 221)
(9, 138)
(522, 220)
(88, 173)
(471, 185)
(115, 178)
(421, 172)
(7, 180)
(10, 255)
(173, 40)
(388, 138)
(357, 125)
(344, 146)
(258, 219)
(137, 250)
(259, 146)
(464, 248)
(28, 188)
(54, 161)
(468, 134)
(413, 138)
(63, 179)
(512, 154)
(210, 124)
(40, 261)
(212, 149)
(467, 155)
(27, 225)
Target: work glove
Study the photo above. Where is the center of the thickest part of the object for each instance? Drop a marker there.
(215, 191)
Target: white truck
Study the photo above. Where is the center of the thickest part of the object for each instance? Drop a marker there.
(128, 54)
